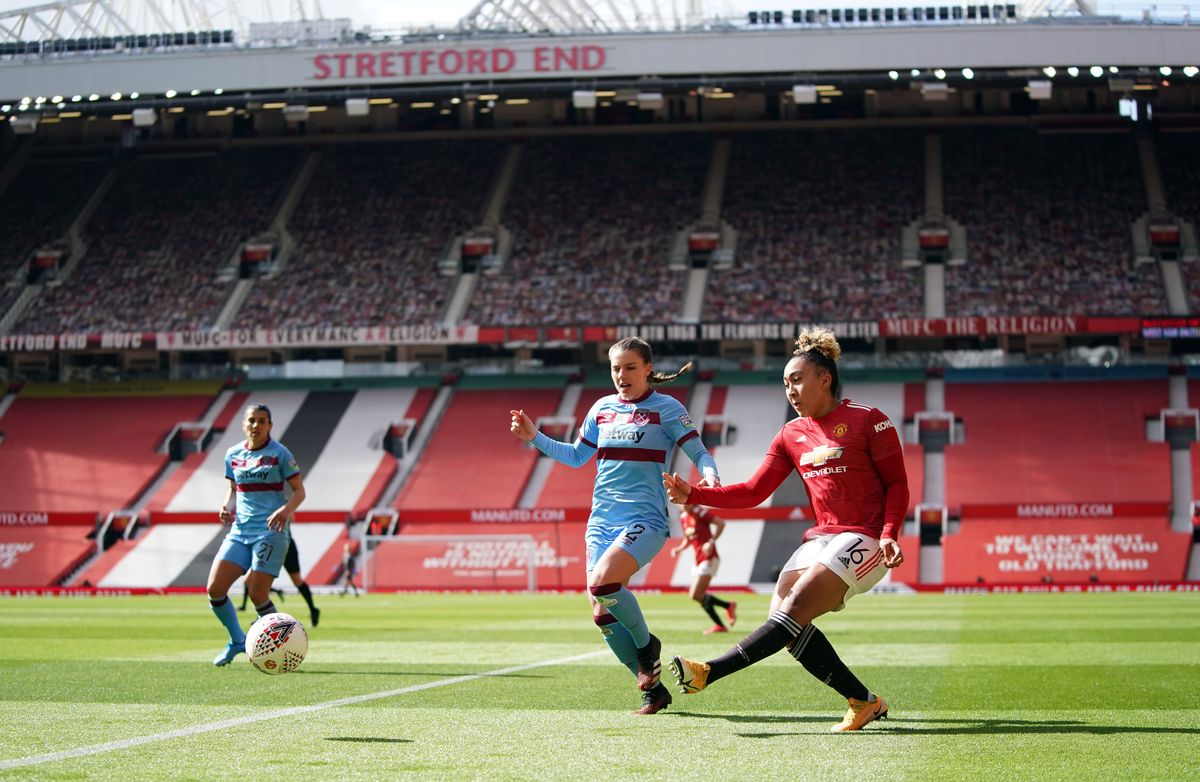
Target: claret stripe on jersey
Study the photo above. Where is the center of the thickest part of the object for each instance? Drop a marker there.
(632, 454)
(260, 487)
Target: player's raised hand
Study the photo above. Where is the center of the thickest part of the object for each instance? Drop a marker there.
(677, 488)
(521, 426)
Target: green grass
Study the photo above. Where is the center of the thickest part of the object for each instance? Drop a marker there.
(1047, 686)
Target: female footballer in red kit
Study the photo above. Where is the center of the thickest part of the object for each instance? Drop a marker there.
(850, 459)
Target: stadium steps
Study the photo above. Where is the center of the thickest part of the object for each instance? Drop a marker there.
(472, 460)
(206, 487)
(426, 426)
(456, 307)
(545, 465)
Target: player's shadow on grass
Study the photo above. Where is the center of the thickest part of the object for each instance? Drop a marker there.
(954, 727)
(369, 739)
(791, 718)
(436, 674)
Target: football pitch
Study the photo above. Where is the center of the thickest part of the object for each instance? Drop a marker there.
(521, 687)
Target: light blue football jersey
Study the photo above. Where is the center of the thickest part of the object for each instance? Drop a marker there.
(260, 477)
(633, 443)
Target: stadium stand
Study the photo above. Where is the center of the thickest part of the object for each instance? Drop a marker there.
(37, 208)
(593, 219)
(158, 239)
(371, 227)
(819, 217)
(472, 461)
(83, 453)
(1057, 442)
(1048, 224)
(1179, 162)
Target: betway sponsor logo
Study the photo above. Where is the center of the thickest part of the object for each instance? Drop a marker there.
(10, 551)
(823, 471)
(519, 515)
(633, 437)
(1065, 510)
(23, 519)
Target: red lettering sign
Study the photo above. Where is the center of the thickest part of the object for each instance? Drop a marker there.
(1069, 552)
(451, 62)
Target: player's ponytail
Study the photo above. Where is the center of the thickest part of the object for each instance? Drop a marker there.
(658, 378)
(642, 348)
(821, 347)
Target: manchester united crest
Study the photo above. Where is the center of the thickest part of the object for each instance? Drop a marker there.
(840, 430)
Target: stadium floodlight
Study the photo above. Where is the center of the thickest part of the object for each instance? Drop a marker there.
(357, 107)
(115, 96)
(59, 98)
(219, 91)
(1072, 71)
(893, 75)
(93, 96)
(76, 98)
(939, 73)
(1190, 71)
(1049, 71)
(1165, 70)
(133, 95)
(7, 107)
(915, 72)
(170, 93)
(195, 93)
(1040, 89)
(1113, 69)
(804, 93)
(583, 99)
(144, 118)
(1096, 71)
(968, 73)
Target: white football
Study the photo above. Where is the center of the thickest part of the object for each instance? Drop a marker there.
(277, 643)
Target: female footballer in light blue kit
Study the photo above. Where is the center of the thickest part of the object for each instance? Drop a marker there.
(258, 539)
(632, 433)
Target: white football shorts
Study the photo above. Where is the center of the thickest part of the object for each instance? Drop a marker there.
(855, 558)
(708, 567)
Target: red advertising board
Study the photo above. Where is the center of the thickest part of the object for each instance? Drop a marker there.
(480, 556)
(32, 518)
(40, 556)
(1033, 551)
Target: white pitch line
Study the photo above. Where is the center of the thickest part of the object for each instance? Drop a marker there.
(179, 733)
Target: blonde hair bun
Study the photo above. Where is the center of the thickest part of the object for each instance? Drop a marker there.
(821, 340)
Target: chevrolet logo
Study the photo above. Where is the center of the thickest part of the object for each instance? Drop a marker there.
(821, 454)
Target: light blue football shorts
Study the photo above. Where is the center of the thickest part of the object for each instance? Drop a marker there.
(264, 553)
(642, 540)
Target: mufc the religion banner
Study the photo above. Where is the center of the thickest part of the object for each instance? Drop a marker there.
(1074, 551)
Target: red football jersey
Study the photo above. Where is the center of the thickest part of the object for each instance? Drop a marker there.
(843, 458)
(698, 530)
